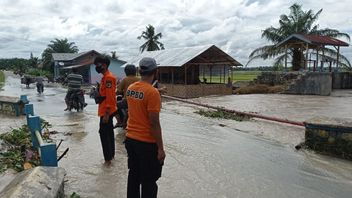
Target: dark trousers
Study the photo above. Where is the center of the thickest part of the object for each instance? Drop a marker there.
(107, 138)
(144, 169)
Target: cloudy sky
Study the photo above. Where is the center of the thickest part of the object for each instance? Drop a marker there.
(113, 25)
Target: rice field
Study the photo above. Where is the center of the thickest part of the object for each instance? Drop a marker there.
(237, 76)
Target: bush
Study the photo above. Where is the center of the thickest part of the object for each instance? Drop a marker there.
(223, 115)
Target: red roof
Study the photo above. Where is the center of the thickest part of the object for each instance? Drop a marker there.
(314, 40)
(325, 40)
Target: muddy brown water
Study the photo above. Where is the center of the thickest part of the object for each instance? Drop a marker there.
(243, 159)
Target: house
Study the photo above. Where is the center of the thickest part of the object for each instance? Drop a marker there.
(184, 70)
(83, 61)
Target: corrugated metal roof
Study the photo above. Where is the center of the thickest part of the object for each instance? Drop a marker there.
(70, 56)
(314, 40)
(178, 57)
(325, 40)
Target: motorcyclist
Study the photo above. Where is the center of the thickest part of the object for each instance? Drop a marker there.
(74, 83)
(27, 80)
(40, 84)
(130, 71)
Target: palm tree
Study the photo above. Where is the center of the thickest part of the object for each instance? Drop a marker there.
(57, 46)
(152, 42)
(113, 55)
(297, 22)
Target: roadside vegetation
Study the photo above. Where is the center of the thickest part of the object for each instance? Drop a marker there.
(2, 78)
(16, 151)
(223, 115)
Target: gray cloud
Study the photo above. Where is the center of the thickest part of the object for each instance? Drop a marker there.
(113, 25)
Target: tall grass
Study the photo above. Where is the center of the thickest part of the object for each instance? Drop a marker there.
(2, 77)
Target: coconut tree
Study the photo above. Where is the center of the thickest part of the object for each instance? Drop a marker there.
(297, 22)
(152, 40)
(57, 46)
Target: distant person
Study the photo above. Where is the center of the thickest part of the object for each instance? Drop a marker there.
(40, 84)
(130, 71)
(74, 83)
(144, 142)
(107, 107)
(229, 82)
(27, 80)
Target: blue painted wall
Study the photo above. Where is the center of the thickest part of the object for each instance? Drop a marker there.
(115, 68)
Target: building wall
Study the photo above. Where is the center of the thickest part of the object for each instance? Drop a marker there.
(195, 91)
(115, 68)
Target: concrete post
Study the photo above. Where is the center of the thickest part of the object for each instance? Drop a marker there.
(34, 125)
(48, 155)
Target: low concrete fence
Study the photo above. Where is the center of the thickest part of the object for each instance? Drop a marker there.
(13, 105)
(342, 80)
(47, 151)
(331, 136)
(45, 181)
(195, 91)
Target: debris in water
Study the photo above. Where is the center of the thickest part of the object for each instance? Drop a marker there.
(223, 115)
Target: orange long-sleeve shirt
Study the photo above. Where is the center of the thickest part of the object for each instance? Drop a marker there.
(108, 89)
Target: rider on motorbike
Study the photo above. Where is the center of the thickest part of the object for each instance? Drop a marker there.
(74, 83)
(130, 71)
(40, 84)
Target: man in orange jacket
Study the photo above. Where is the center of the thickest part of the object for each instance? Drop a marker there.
(107, 107)
(144, 142)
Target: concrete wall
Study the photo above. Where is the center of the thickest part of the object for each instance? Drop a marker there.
(194, 91)
(330, 136)
(311, 83)
(342, 80)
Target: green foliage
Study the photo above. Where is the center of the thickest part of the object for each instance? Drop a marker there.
(18, 141)
(38, 72)
(152, 40)
(2, 77)
(18, 64)
(19, 136)
(57, 46)
(297, 22)
(223, 115)
(74, 195)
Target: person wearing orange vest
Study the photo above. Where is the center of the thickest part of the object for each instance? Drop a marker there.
(144, 142)
(107, 107)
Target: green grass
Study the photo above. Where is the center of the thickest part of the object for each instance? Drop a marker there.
(2, 77)
(237, 76)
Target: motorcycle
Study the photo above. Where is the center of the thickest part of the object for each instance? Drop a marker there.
(76, 101)
(122, 109)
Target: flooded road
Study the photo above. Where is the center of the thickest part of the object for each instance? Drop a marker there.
(243, 159)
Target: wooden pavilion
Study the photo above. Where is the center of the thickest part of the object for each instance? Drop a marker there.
(184, 70)
(313, 42)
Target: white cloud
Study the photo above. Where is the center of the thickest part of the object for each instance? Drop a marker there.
(235, 26)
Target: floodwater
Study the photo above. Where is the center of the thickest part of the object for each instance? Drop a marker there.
(242, 159)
